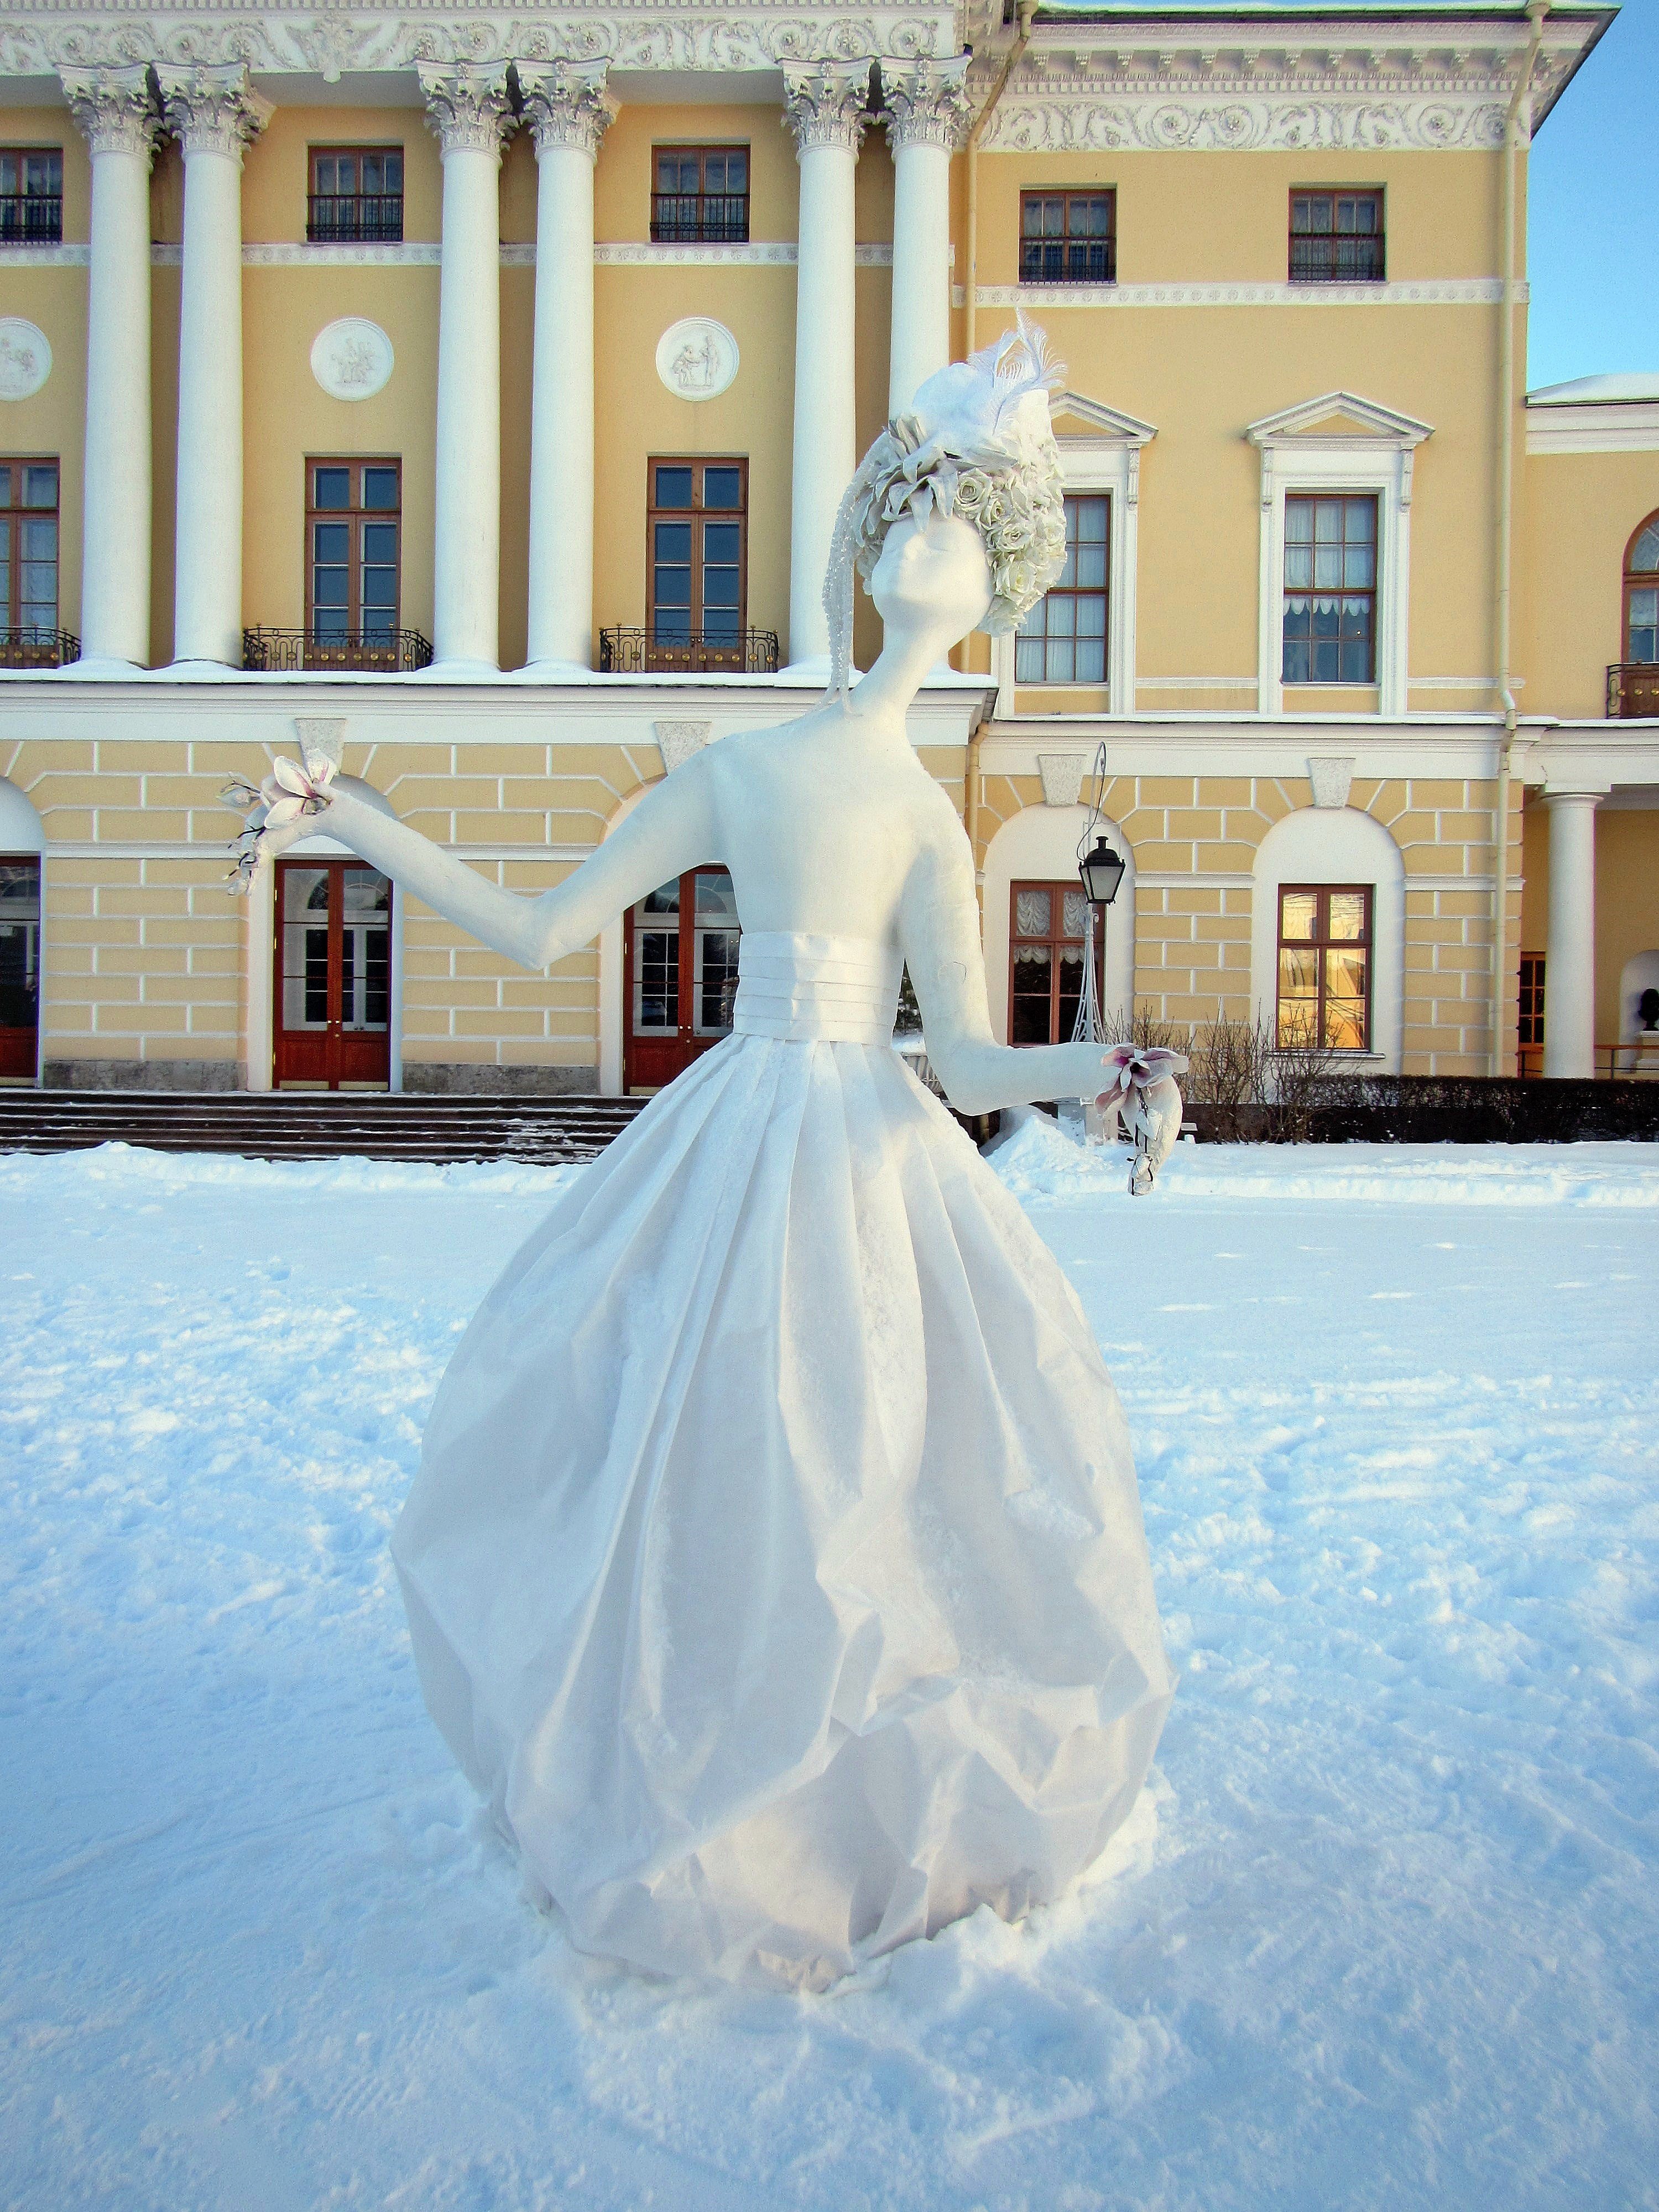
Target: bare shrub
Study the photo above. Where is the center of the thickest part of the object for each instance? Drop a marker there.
(1298, 1067)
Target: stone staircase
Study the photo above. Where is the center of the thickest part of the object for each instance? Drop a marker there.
(288, 1125)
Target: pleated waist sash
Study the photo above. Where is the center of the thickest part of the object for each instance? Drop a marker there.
(844, 989)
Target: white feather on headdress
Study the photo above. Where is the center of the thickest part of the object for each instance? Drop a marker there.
(976, 440)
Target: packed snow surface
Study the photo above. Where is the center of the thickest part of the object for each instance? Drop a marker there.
(1381, 1933)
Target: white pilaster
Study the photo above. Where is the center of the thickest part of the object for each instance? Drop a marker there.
(565, 104)
(926, 111)
(826, 109)
(214, 114)
(114, 113)
(467, 108)
(1570, 955)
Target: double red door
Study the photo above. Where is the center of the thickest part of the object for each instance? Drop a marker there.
(20, 967)
(333, 977)
(681, 969)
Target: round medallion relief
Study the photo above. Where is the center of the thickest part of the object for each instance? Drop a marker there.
(696, 357)
(25, 358)
(351, 359)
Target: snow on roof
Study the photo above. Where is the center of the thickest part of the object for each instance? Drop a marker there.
(1597, 390)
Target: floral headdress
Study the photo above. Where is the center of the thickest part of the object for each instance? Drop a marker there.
(977, 442)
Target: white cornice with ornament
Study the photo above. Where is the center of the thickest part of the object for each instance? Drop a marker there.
(40, 37)
(1289, 84)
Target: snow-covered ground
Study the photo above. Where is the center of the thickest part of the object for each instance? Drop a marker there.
(1383, 1933)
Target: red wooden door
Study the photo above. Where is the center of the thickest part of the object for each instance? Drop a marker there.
(19, 969)
(333, 977)
(682, 970)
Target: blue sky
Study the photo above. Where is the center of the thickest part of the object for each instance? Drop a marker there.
(1594, 220)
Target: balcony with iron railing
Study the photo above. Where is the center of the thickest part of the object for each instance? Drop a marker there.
(1330, 259)
(355, 219)
(309, 652)
(700, 218)
(1068, 261)
(688, 653)
(1632, 690)
(27, 645)
(31, 218)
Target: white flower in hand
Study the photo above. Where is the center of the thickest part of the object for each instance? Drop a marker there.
(276, 812)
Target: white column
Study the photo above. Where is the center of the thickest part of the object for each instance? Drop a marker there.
(1570, 957)
(926, 109)
(468, 109)
(214, 114)
(568, 113)
(114, 113)
(827, 111)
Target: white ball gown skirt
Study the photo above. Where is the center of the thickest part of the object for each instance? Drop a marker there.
(775, 1564)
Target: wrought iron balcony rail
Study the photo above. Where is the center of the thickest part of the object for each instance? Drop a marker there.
(1632, 690)
(1068, 261)
(695, 652)
(1331, 260)
(31, 218)
(26, 645)
(700, 218)
(355, 219)
(370, 653)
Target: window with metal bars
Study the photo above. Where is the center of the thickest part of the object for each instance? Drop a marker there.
(1642, 595)
(1063, 639)
(1330, 588)
(1325, 967)
(353, 526)
(31, 195)
(1068, 238)
(28, 545)
(700, 195)
(356, 196)
(1336, 238)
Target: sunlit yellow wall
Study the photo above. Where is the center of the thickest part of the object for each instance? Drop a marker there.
(1202, 373)
(276, 169)
(1578, 514)
(51, 426)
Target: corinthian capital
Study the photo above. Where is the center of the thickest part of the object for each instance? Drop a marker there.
(827, 104)
(113, 109)
(213, 109)
(926, 102)
(565, 103)
(466, 105)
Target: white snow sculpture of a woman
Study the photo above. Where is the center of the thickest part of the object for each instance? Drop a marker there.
(775, 1564)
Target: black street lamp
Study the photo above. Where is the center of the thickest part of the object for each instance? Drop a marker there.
(1101, 871)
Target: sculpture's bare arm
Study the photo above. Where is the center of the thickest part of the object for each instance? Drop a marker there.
(672, 829)
(939, 930)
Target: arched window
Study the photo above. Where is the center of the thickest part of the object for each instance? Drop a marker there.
(1641, 596)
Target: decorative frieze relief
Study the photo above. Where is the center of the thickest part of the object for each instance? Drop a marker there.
(113, 111)
(427, 254)
(1153, 121)
(565, 104)
(213, 109)
(1439, 292)
(37, 37)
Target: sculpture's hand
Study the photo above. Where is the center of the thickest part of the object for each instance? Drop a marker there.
(278, 813)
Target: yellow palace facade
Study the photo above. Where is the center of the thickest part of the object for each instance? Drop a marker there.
(467, 392)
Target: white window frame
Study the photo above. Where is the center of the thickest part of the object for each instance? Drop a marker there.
(1105, 457)
(1376, 456)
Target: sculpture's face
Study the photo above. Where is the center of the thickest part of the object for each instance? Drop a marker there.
(937, 577)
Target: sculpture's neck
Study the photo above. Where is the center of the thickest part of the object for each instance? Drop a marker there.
(881, 698)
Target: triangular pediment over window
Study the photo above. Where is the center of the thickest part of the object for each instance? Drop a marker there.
(1076, 415)
(1339, 415)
